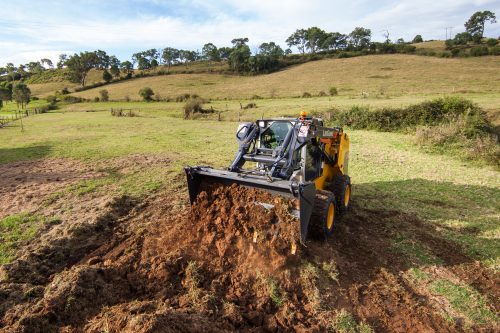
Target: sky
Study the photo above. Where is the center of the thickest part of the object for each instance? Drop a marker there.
(31, 30)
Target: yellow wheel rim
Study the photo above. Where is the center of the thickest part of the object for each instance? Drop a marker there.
(331, 216)
(347, 195)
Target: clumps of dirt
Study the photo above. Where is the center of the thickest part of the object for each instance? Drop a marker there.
(199, 270)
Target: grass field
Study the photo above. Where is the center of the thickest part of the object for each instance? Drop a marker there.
(430, 221)
(389, 75)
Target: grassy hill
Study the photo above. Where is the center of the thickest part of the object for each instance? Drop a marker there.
(390, 75)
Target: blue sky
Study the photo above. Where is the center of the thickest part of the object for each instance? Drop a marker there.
(31, 30)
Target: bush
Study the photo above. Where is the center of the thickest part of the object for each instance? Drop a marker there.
(322, 93)
(51, 99)
(195, 105)
(250, 106)
(495, 50)
(96, 99)
(256, 97)
(455, 52)
(184, 97)
(491, 42)
(428, 113)
(146, 94)
(478, 51)
(333, 91)
(71, 99)
(104, 95)
(306, 95)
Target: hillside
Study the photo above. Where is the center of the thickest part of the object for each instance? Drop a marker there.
(392, 75)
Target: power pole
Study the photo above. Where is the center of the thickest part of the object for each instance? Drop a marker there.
(446, 32)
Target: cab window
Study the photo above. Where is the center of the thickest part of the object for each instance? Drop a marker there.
(275, 134)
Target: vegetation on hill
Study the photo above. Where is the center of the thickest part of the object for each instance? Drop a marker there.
(450, 123)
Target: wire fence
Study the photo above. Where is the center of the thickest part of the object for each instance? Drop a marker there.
(19, 114)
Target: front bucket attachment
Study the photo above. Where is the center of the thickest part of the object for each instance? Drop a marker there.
(305, 193)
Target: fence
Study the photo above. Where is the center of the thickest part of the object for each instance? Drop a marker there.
(4, 120)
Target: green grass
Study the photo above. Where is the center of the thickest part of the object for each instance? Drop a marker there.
(465, 300)
(344, 322)
(15, 230)
(415, 253)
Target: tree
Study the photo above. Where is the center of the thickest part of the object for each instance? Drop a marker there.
(6, 94)
(475, 24)
(238, 59)
(267, 58)
(170, 56)
(21, 94)
(104, 95)
(360, 38)
(400, 41)
(114, 66)
(106, 76)
(298, 39)
(224, 52)
(62, 60)
(48, 62)
(103, 62)
(334, 41)
(462, 38)
(417, 39)
(35, 67)
(314, 38)
(210, 53)
(146, 94)
(80, 65)
(127, 67)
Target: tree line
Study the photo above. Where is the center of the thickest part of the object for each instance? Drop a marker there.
(269, 56)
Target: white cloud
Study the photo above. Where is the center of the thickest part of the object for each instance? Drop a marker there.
(219, 22)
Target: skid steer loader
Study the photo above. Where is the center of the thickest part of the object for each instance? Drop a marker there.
(293, 157)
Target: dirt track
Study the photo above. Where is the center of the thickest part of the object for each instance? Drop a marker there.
(152, 267)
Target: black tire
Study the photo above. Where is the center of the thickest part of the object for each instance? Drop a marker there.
(322, 223)
(341, 187)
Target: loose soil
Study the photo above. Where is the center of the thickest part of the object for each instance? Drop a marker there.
(151, 266)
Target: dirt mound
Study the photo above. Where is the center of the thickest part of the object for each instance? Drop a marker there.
(160, 270)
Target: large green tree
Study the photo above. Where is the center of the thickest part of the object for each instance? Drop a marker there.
(360, 38)
(80, 65)
(315, 38)
(170, 56)
(210, 52)
(475, 24)
(334, 41)
(240, 54)
(298, 39)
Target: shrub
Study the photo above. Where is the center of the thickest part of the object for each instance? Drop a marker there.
(184, 97)
(146, 93)
(495, 50)
(427, 113)
(106, 76)
(333, 91)
(71, 99)
(104, 95)
(491, 41)
(455, 52)
(250, 106)
(478, 51)
(256, 97)
(127, 98)
(322, 93)
(51, 99)
(195, 105)
(96, 99)
(65, 91)
(306, 95)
